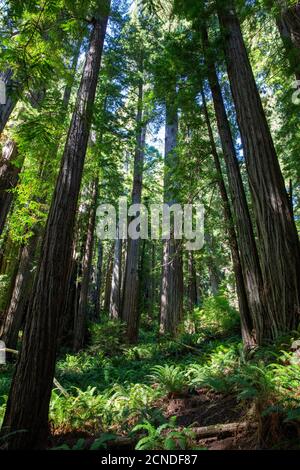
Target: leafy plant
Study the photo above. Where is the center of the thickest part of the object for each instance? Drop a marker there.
(100, 443)
(216, 315)
(171, 379)
(77, 410)
(165, 437)
(108, 337)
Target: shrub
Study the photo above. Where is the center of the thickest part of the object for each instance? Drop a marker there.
(165, 437)
(108, 337)
(171, 379)
(217, 315)
(77, 410)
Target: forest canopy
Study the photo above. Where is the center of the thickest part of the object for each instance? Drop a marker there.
(121, 327)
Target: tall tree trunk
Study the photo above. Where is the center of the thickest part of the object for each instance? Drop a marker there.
(98, 280)
(23, 282)
(130, 313)
(9, 175)
(108, 279)
(143, 278)
(192, 286)
(124, 263)
(66, 335)
(247, 327)
(213, 268)
(153, 283)
(81, 316)
(171, 304)
(278, 240)
(20, 295)
(10, 269)
(246, 239)
(32, 382)
(115, 294)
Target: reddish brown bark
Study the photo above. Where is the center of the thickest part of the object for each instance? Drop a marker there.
(33, 378)
(277, 236)
(115, 294)
(130, 313)
(247, 324)
(171, 304)
(81, 314)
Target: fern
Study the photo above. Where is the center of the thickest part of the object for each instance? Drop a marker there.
(165, 437)
(171, 379)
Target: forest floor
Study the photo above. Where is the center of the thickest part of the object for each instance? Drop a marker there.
(198, 392)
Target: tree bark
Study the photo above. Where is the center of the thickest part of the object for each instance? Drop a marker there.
(115, 294)
(192, 286)
(20, 295)
(32, 382)
(66, 335)
(81, 314)
(153, 280)
(10, 269)
(108, 280)
(98, 281)
(16, 311)
(247, 326)
(246, 239)
(171, 304)
(130, 313)
(277, 235)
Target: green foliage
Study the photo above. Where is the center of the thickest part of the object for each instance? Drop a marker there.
(98, 444)
(5, 377)
(119, 402)
(131, 401)
(215, 373)
(165, 437)
(90, 409)
(171, 379)
(108, 337)
(77, 410)
(254, 382)
(217, 315)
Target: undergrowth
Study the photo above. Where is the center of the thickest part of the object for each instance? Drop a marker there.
(117, 389)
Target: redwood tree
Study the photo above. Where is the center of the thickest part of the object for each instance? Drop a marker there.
(81, 314)
(171, 304)
(116, 282)
(277, 236)
(244, 230)
(32, 382)
(130, 295)
(247, 324)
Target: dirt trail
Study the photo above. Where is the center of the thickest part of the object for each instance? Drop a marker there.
(207, 408)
